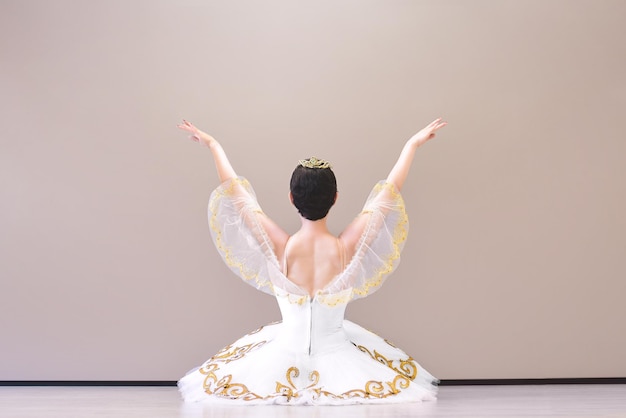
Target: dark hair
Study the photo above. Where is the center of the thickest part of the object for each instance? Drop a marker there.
(314, 191)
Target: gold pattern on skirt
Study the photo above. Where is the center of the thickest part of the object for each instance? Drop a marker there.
(406, 367)
(373, 389)
(226, 388)
(228, 353)
(291, 391)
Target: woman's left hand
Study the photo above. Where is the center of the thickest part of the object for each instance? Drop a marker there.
(196, 134)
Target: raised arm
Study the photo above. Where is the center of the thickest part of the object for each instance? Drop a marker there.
(353, 232)
(225, 171)
(400, 170)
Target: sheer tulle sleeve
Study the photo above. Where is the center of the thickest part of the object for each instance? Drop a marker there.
(378, 251)
(239, 236)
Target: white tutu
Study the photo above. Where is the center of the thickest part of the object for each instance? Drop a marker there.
(256, 369)
(314, 356)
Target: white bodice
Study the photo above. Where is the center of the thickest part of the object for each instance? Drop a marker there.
(309, 325)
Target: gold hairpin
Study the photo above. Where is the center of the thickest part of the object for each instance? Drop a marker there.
(314, 162)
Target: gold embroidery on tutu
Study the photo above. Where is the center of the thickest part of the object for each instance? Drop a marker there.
(224, 387)
(228, 353)
(291, 391)
(373, 389)
(406, 367)
(390, 343)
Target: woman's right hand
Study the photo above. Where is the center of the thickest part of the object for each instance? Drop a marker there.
(428, 132)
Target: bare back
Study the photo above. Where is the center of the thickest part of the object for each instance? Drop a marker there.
(312, 260)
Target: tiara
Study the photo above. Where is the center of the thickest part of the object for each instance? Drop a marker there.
(314, 162)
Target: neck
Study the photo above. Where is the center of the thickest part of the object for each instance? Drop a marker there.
(313, 226)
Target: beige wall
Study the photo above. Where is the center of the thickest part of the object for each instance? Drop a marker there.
(515, 263)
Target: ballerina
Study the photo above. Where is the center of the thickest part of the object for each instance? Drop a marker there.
(314, 356)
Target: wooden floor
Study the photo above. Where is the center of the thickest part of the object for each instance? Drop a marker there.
(454, 401)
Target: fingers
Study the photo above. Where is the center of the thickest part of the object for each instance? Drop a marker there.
(429, 131)
(437, 124)
(187, 126)
(185, 123)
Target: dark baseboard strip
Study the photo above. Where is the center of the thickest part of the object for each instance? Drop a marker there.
(551, 381)
(445, 382)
